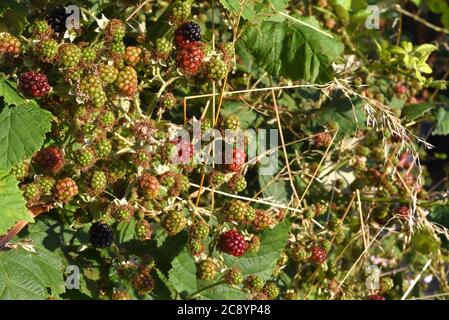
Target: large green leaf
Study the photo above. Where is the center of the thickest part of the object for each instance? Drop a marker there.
(22, 133)
(347, 114)
(442, 119)
(27, 275)
(290, 49)
(414, 111)
(9, 93)
(182, 275)
(12, 204)
(12, 16)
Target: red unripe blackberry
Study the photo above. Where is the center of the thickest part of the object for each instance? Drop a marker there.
(50, 159)
(400, 89)
(182, 43)
(34, 84)
(236, 162)
(101, 235)
(319, 255)
(233, 243)
(191, 60)
(9, 44)
(132, 55)
(127, 81)
(376, 297)
(403, 212)
(322, 139)
(149, 185)
(144, 282)
(65, 189)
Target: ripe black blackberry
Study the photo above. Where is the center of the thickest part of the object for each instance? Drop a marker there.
(190, 31)
(57, 20)
(101, 235)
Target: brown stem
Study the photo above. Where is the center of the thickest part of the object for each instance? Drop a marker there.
(33, 212)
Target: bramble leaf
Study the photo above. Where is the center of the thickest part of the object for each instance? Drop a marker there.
(22, 133)
(12, 204)
(292, 50)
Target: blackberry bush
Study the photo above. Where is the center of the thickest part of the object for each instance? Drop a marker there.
(193, 150)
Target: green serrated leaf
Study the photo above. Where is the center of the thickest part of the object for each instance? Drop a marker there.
(413, 111)
(293, 50)
(348, 115)
(125, 231)
(13, 17)
(442, 119)
(12, 204)
(27, 275)
(437, 6)
(22, 133)
(9, 93)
